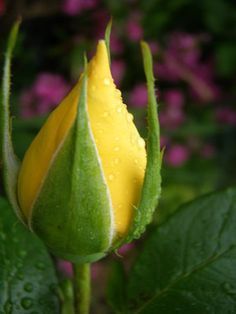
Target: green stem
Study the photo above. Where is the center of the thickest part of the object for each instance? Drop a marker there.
(82, 288)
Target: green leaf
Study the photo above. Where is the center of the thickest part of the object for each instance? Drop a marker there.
(8, 159)
(188, 264)
(152, 182)
(27, 278)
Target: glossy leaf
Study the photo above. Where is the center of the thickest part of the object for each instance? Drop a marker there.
(27, 279)
(188, 264)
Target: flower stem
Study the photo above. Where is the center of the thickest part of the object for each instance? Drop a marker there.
(82, 288)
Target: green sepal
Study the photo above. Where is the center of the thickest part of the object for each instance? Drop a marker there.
(8, 160)
(72, 213)
(107, 38)
(152, 181)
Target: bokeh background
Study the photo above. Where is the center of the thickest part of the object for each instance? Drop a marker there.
(194, 49)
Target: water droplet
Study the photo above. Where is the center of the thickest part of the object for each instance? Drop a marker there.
(105, 114)
(28, 287)
(93, 88)
(141, 143)
(135, 180)
(116, 161)
(136, 161)
(40, 265)
(111, 177)
(8, 307)
(133, 139)
(119, 109)
(26, 303)
(106, 81)
(117, 148)
(117, 138)
(118, 93)
(129, 117)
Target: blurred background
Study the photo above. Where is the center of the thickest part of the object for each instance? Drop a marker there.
(194, 49)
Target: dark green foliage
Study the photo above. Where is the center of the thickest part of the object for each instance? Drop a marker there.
(27, 278)
(188, 264)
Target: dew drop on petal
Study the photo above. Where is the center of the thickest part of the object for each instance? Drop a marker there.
(118, 93)
(119, 109)
(116, 161)
(129, 117)
(111, 177)
(106, 81)
(105, 114)
(141, 143)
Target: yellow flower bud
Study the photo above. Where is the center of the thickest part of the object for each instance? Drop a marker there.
(121, 150)
(85, 185)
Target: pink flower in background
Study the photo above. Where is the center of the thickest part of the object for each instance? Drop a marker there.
(202, 85)
(185, 47)
(138, 96)
(100, 19)
(177, 155)
(164, 141)
(116, 44)
(126, 248)
(74, 7)
(172, 118)
(226, 115)
(173, 98)
(172, 115)
(154, 47)
(118, 70)
(65, 267)
(50, 87)
(181, 61)
(46, 92)
(134, 28)
(2, 7)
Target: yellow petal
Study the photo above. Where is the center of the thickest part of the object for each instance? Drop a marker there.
(121, 149)
(40, 154)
